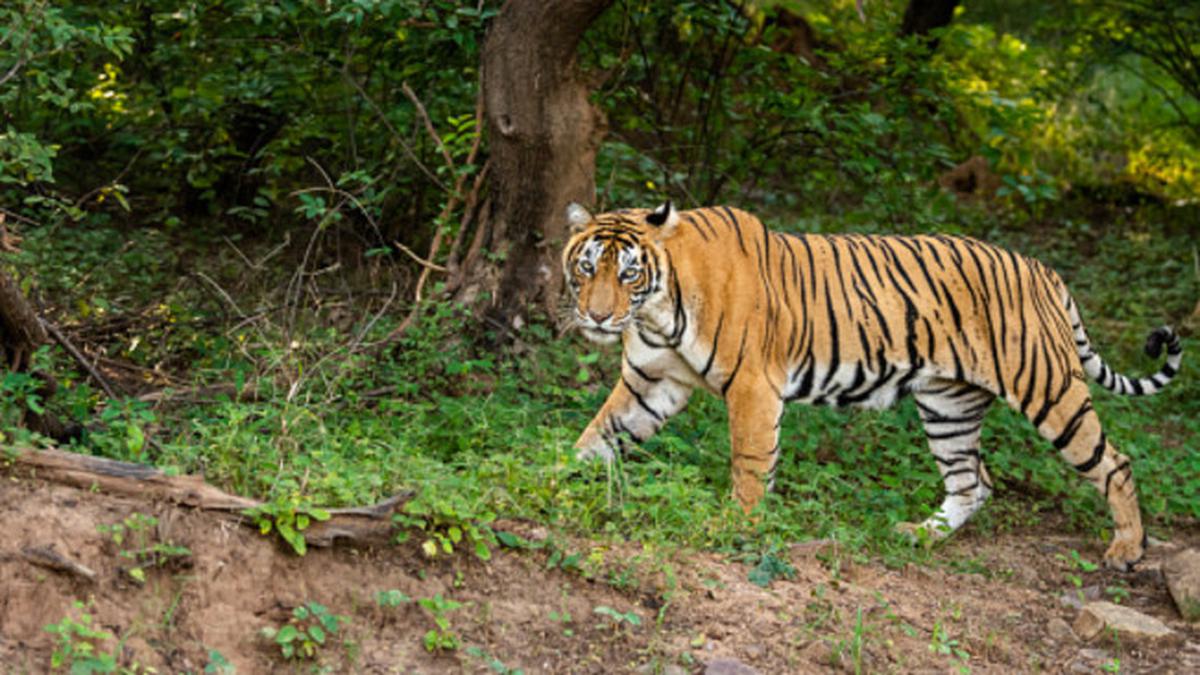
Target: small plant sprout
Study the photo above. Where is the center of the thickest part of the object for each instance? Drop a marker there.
(629, 618)
(391, 599)
(135, 537)
(78, 645)
(440, 637)
(309, 628)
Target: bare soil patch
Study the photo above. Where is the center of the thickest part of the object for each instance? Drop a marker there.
(1001, 610)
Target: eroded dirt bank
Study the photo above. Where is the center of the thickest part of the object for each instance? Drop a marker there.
(1007, 614)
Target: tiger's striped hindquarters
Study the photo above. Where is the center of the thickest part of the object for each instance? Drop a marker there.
(711, 299)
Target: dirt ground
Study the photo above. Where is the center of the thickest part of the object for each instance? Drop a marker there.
(1008, 610)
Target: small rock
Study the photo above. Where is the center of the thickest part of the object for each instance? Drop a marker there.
(1060, 631)
(728, 667)
(1182, 571)
(1088, 661)
(1098, 618)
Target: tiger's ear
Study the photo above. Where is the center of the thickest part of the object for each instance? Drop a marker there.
(665, 217)
(577, 217)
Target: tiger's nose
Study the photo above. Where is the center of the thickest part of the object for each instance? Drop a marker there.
(597, 317)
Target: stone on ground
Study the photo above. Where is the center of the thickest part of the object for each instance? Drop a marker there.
(1103, 618)
(1182, 571)
(729, 667)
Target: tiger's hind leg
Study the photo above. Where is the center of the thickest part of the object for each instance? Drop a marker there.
(952, 413)
(1074, 428)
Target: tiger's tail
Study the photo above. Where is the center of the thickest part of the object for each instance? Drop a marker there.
(1115, 382)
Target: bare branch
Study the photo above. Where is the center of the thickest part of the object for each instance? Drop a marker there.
(437, 140)
(82, 360)
(418, 259)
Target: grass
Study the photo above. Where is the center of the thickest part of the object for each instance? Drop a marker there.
(481, 434)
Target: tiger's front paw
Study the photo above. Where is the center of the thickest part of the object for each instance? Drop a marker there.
(602, 452)
(1123, 554)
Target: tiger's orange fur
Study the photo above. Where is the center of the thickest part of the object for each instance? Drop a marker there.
(711, 299)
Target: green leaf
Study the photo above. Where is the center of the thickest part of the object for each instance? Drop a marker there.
(287, 634)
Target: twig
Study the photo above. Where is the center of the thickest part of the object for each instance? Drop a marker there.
(419, 260)
(468, 211)
(18, 217)
(61, 339)
(428, 125)
(12, 71)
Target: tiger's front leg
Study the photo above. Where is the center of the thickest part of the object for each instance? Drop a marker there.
(754, 413)
(639, 404)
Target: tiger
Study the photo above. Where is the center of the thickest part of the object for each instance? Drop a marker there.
(711, 299)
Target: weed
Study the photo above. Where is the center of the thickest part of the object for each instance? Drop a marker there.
(440, 638)
(769, 568)
(218, 664)
(497, 666)
(1118, 592)
(448, 518)
(391, 599)
(853, 645)
(940, 642)
(78, 645)
(630, 618)
(289, 515)
(1077, 563)
(139, 531)
(309, 627)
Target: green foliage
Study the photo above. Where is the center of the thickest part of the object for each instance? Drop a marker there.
(79, 643)
(289, 514)
(618, 618)
(497, 666)
(448, 517)
(440, 637)
(20, 391)
(218, 664)
(769, 568)
(162, 181)
(391, 599)
(136, 538)
(306, 632)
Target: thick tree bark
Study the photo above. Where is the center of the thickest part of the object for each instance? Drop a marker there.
(543, 135)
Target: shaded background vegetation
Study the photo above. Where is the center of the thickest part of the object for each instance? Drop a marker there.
(264, 226)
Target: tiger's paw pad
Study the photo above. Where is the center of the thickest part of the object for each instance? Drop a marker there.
(1124, 554)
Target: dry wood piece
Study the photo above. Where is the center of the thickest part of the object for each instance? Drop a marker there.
(355, 524)
(46, 556)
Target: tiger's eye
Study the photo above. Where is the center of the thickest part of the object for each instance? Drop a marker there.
(585, 267)
(629, 274)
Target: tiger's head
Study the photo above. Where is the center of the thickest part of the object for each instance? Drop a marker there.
(614, 264)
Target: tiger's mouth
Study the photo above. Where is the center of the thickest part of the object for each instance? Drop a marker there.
(604, 336)
(604, 332)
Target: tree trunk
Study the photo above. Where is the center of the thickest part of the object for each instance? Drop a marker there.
(21, 333)
(543, 135)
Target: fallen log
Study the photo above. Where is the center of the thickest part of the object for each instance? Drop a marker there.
(357, 525)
